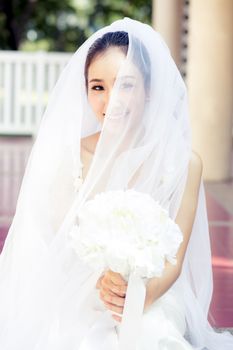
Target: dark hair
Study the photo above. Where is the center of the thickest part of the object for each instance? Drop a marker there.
(120, 39)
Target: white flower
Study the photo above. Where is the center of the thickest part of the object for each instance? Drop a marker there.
(127, 232)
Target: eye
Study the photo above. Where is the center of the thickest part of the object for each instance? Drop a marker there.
(126, 85)
(97, 87)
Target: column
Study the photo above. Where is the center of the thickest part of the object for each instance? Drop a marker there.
(167, 19)
(210, 84)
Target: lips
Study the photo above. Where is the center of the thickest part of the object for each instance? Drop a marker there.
(118, 112)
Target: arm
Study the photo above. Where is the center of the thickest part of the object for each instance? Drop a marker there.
(156, 287)
(113, 287)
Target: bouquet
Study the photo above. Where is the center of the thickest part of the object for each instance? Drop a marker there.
(129, 233)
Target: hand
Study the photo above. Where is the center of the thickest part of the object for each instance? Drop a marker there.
(113, 289)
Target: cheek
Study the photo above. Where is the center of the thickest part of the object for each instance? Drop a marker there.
(140, 97)
(95, 102)
(137, 100)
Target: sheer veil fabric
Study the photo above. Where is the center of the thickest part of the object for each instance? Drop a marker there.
(47, 295)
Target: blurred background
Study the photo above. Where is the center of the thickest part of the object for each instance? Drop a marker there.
(38, 37)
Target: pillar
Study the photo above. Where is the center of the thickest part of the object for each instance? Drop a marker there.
(210, 84)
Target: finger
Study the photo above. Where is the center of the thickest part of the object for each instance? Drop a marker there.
(117, 318)
(121, 290)
(105, 290)
(116, 289)
(107, 284)
(117, 309)
(116, 278)
(98, 283)
(104, 295)
(114, 300)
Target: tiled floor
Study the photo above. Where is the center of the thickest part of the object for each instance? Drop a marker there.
(220, 213)
(13, 155)
(221, 237)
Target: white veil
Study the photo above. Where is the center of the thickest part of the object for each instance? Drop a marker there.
(47, 296)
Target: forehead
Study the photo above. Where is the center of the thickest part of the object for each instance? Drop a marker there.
(108, 64)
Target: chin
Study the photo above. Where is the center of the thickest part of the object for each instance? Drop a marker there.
(100, 119)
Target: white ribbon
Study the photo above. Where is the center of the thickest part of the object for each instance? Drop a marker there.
(132, 316)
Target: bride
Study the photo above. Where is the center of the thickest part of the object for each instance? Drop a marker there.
(117, 119)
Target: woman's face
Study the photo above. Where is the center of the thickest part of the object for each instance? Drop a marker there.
(102, 74)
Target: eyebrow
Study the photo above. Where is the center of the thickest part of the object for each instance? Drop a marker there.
(121, 77)
(96, 80)
(127, 76)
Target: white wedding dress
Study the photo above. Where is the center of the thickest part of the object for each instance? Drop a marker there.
(163, 324)
(162, 328)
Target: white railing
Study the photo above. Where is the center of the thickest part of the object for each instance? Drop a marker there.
(14, 152)
(25, 82)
